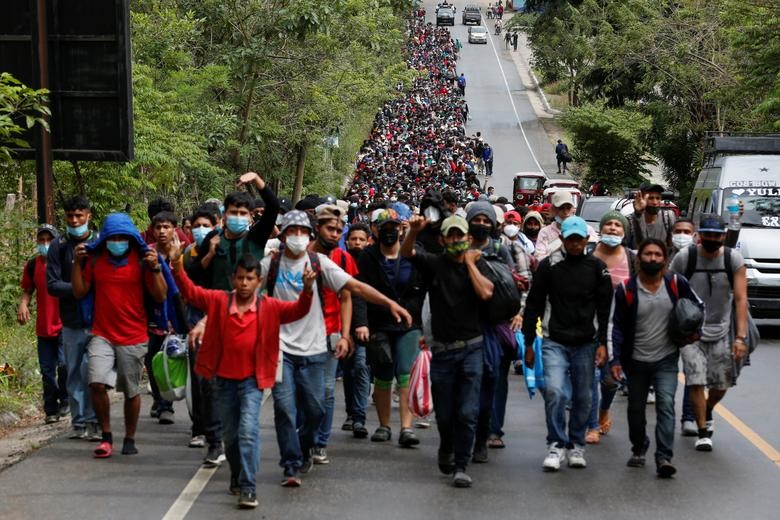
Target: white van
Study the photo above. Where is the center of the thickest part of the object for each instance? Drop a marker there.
(749, 167)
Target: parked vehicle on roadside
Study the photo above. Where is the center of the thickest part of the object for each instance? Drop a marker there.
(591, 209)
(528, 187)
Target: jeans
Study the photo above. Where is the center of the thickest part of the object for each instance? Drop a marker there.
(51, 357)
(205, 415)
(662, 376)
(357, 384)
(75, 346)
(687, 407)
(322, 435)
(239, 406)
(456, 377)
(568, 376)
(500, 397)
(604, 383)
(155, 343)
(302, 388)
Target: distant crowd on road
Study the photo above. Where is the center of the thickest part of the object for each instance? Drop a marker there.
(412, 262)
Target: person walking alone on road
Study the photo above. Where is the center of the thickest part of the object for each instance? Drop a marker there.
(462, 84)
(562, 156)
(487, 157)
(514, 41)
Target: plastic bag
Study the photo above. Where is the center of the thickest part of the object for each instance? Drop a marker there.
(685, 321)
(175, 345)
(534, 376)
(505, 302)
(420, 397)
(171, 375)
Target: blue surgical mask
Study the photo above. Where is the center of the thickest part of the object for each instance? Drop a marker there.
(117, 248)
(76, 232)
(558, 220)
(236, 224)
(611, 240)
(199, 233)
(43, 249)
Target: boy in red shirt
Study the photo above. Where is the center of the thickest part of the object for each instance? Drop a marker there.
(48, 328)
(119, 267)
(240, 353)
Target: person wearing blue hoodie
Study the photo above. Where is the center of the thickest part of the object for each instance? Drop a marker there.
(119, 269)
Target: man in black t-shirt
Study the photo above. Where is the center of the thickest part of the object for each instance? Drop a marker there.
(456, 288)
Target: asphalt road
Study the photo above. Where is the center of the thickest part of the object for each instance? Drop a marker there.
(739, 479)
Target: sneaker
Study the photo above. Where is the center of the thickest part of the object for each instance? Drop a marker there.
(348, 425)
(234, 488)
(555, 455)
(407, 438)
(64, 410)
(319, 455)
(52, 418)
(636, 461)
(307, 466)
(197, 441)
(93, 432)
(154, 412)
(247, 500)
(447, 463)
(460, 479)
(359, 430)
(382, 434)
(651, 397)
(166, 417)
(689, 429)
(703, 444)
(664, 468)
(291, 478)
(78, 433)
(577, 457)
(214, 457)
(480, 455)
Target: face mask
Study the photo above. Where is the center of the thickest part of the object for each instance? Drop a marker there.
(532, 233)
(479, 232)
(558, 220)
(457, 248)
(79, 231)
(297, 244)
(43, 249)
(711, 245)
(681, 240)
(432, 213)
(511, 230)
(388, 237)
(117, 248)
(651, 268)
(325, 244)
(236, 224)
(652, 210)
(199, 233)
(611, 240)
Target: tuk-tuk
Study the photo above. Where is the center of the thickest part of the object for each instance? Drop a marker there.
(528, 187)
(562, 183)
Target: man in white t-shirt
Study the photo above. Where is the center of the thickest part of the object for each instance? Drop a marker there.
(303, 343)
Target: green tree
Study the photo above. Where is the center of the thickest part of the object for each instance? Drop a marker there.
(21, 108)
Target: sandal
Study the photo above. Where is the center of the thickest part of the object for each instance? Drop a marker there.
(605, 422)
(103, 450)
(407, 438)
(382, 434)
(592, 437)
(495, 443)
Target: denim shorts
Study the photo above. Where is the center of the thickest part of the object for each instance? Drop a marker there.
(709, 363)
(117, 367)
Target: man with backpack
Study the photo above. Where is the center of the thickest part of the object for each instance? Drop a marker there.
(457, 289)
(571, 293)
(649, 219)
(48, 327)
(121, 270)
(303, 342)
(76, 318)
(718, 275)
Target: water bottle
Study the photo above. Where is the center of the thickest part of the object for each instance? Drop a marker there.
(732, 206)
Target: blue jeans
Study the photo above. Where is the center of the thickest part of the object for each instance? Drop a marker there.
(155, 343)
(239, 407)
(322, 435)
(302, 388)
(687, 407)
(456, 378)
(51, 358)
(568, 376)
(500, 397)
(662, 376)
(75, 346)
(357, 384)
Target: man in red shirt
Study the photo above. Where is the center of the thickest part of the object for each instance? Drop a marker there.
(119, 267)
(240, 353)
(48, 328)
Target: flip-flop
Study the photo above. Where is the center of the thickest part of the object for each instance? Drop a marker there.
(103, 450)
(495, 443)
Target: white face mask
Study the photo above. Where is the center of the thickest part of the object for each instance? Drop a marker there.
(432, 213)
(681, 240)
(511, 230)
(297, 243)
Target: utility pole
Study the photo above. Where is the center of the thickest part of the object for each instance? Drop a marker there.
(43, 152)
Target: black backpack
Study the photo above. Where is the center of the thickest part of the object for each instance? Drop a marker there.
(505, 302)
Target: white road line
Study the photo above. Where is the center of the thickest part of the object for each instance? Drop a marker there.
(512, 101)
(195, 487)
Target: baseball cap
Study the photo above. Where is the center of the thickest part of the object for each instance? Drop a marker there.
(560, 198)
(711, 224)
(512, 216)
(454, 222)
(328, 212)
(574, 226)
(48, 228)
(383, 216)
(295, 217)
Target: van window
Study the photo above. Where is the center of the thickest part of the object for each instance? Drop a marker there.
(762, 206)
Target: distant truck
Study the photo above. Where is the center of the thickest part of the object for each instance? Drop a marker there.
(748, 166)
